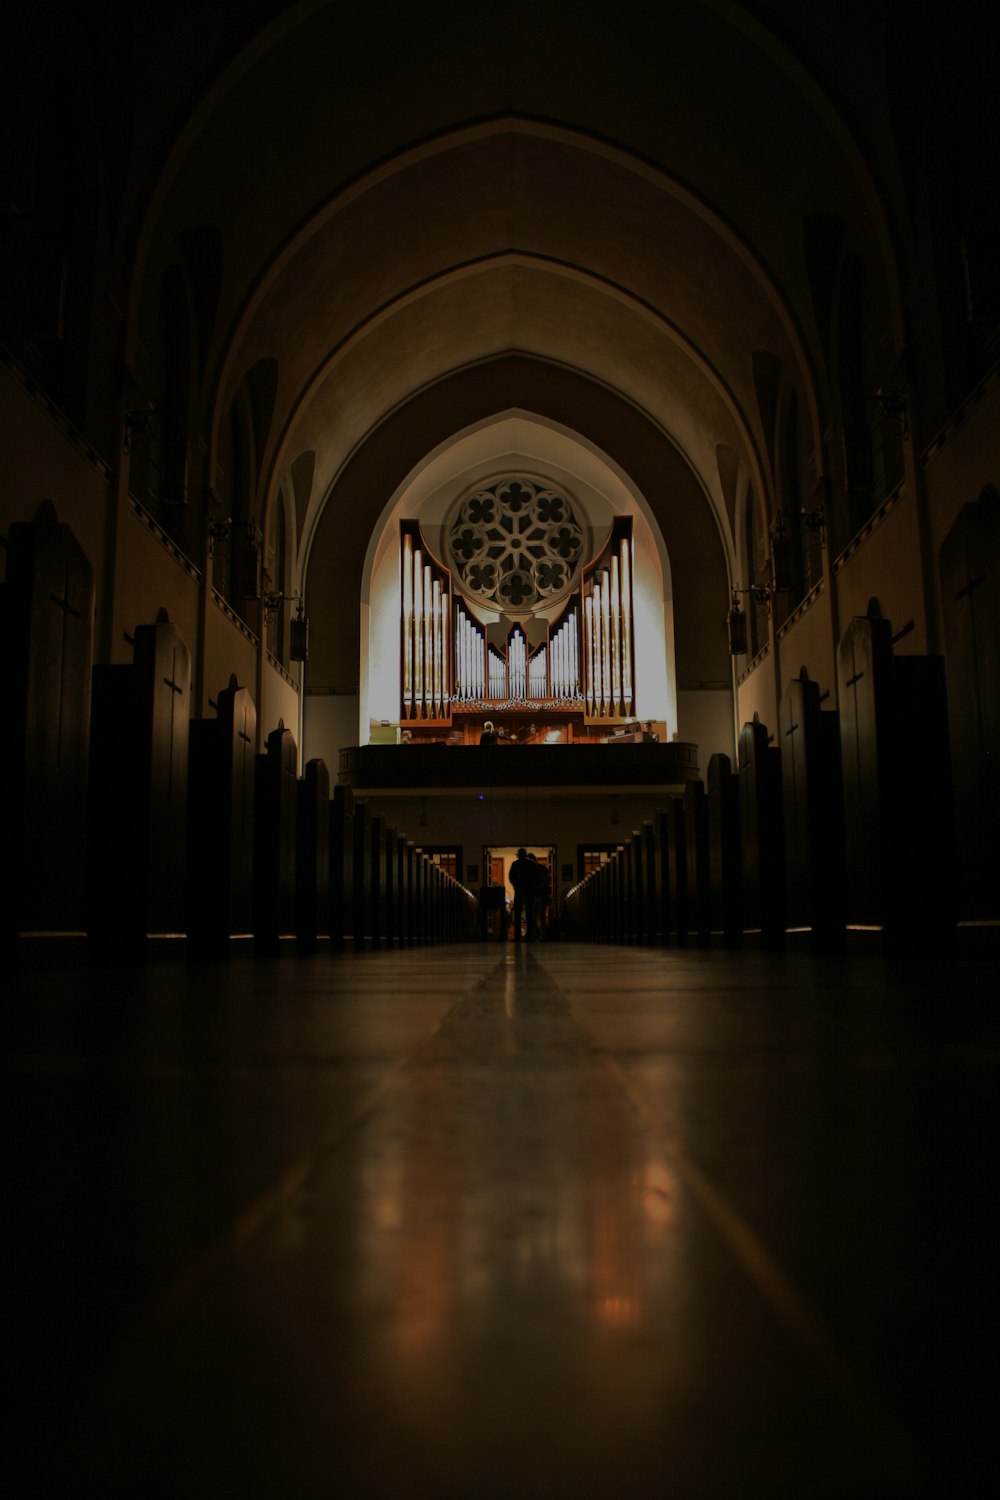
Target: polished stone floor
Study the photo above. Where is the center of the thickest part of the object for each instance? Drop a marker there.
(484, 1222)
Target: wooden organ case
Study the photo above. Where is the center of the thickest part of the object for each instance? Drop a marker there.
(573, 672)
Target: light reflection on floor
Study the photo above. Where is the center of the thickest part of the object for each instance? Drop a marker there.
(489, 1222)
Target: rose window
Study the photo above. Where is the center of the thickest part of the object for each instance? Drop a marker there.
(515, 544)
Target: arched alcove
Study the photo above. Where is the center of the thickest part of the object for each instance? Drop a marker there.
(518, 443)
(690, 552)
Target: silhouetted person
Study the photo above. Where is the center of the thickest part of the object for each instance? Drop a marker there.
(540, 897)
(523, 876)
(489, 735)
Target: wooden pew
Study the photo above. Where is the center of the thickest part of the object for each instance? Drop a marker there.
(761, 835)
(221, 770)
(896, 770)
(312, 844)
(361, 887)
(813, 806)
(969, 566)
(677, 860)
(47, 611)
(724, 850)
(275, 827)
(137, 808)
(699, 878)
(342, 869)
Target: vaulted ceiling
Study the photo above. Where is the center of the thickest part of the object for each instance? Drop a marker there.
(404, 191)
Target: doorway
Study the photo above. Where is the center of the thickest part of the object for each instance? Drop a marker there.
(497, 860)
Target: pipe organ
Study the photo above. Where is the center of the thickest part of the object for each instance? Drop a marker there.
(583, 662)
(609, 647)
(425, 622)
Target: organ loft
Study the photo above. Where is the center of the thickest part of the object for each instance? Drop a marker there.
(473, 474)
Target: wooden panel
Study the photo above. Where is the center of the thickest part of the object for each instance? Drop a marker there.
(724, 849)
(275, 820)
(342, 868)
(312, 882)
(897, 779)
(864, 665)
(813, 812)
(699, 883)
(222, 764)
(137, 838)
(48, 621)
(663, 825)
(361, 881)
(677, 857)
(970, 607)
(761, 835)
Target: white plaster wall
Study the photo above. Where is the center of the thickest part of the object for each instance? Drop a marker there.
(331, 724)
(705, 718)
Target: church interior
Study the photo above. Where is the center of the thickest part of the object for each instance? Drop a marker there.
(430, 432)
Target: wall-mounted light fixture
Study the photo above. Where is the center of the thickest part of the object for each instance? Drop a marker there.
(218, 531)
(815, 521)
(136, 423)
(737, 619)
(894, 408)
(251, 560)
(782, 558)
(737, 628)
(298, 629)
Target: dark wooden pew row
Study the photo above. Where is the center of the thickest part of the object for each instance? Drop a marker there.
(220, 842)
(762, 855)
(896, 776)
(342, 869)
(137, 805)
(724, 857)
(969, 565)
(313, 843)
(699, 874)
(813, 804)
(47, 615)
(275, 828)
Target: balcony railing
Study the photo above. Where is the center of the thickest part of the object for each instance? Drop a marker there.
(406, 767)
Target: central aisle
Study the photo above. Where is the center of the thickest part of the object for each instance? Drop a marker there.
(530, 1222)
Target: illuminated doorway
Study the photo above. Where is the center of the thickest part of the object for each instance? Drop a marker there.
(497, 860)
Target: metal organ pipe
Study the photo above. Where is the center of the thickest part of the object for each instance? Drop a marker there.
(615, 610)
(538, 673)
(626, 577)
(517, 663)
(435, 623)
(418, 634)
(605, 646)
(497, 675)
(428, 639)
(407, 627)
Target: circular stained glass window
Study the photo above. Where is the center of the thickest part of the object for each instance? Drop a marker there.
(515, 544)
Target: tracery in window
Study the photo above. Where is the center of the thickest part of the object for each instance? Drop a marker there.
(515, 544)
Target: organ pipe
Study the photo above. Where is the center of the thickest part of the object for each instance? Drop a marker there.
(616, 639)
(606, 707)
(626, 576)
(587, 654)
(430, 654)
(418, 633)
(605, 658)
(435, 644)
(407, 627)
